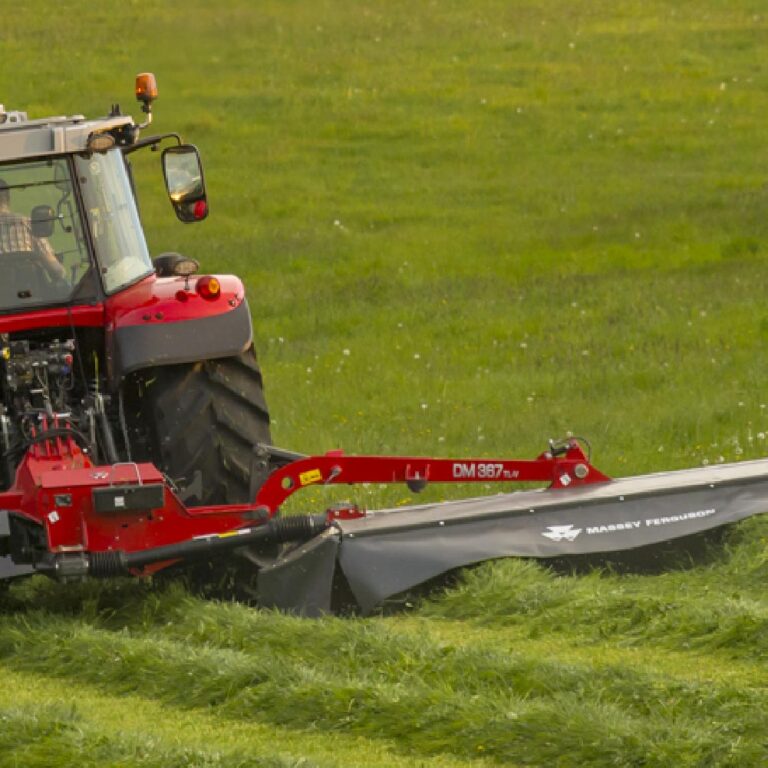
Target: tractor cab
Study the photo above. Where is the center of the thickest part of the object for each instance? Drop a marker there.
(97, 339)
(69, 230)
(69, 225)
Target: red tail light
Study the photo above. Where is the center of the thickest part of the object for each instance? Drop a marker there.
(200, 210)
(209, 287)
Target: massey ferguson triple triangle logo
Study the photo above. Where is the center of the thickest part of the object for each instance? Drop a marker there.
(561, 532)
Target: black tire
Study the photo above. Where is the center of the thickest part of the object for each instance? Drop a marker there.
(206, 418)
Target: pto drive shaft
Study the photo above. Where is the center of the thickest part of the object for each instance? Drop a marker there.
(120, 563)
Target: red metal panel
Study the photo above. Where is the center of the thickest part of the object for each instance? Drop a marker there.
(158, 300)
(87, 316)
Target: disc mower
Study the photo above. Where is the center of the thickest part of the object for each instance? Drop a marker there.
(134, 433)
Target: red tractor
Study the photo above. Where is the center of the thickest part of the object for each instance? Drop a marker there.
(134, 434)
(124, 358)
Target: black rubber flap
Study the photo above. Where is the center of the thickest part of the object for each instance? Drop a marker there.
(9, 569)
(394, 550)
(302, 581)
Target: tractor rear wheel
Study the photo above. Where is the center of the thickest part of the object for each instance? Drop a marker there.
(207, 417)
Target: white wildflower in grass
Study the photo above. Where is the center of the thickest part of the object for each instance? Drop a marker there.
(424, 406)
(346, 352)
(761, 435)
(417, 356)
(523, 345)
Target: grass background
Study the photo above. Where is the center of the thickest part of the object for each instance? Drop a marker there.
(464, 228)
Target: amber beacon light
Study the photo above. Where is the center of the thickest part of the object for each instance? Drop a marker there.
(146, 90)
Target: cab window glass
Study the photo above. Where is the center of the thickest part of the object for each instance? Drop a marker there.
(110, 208)
(42, 263)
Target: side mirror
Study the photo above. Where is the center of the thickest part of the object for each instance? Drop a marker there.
(184, 181)
(42, 220)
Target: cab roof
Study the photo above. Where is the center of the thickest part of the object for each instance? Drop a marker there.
(22, 138)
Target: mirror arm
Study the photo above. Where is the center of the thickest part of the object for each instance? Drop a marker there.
(151, 141)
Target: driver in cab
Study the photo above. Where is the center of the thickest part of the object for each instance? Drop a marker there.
(16, 237)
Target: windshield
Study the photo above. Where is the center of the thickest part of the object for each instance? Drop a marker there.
(43, 254)
(114, 221)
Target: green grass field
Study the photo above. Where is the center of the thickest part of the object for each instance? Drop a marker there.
(465, 228)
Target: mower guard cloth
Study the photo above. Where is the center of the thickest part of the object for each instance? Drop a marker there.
(302, 580)
(393, 550)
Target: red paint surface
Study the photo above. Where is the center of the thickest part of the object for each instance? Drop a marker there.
(55, 479)
(158, 300)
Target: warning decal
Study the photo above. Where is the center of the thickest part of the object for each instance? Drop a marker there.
(311, 476)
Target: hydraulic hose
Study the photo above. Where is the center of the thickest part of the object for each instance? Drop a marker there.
(278, 531)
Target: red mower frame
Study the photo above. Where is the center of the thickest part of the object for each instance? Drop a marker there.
(79, 509)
